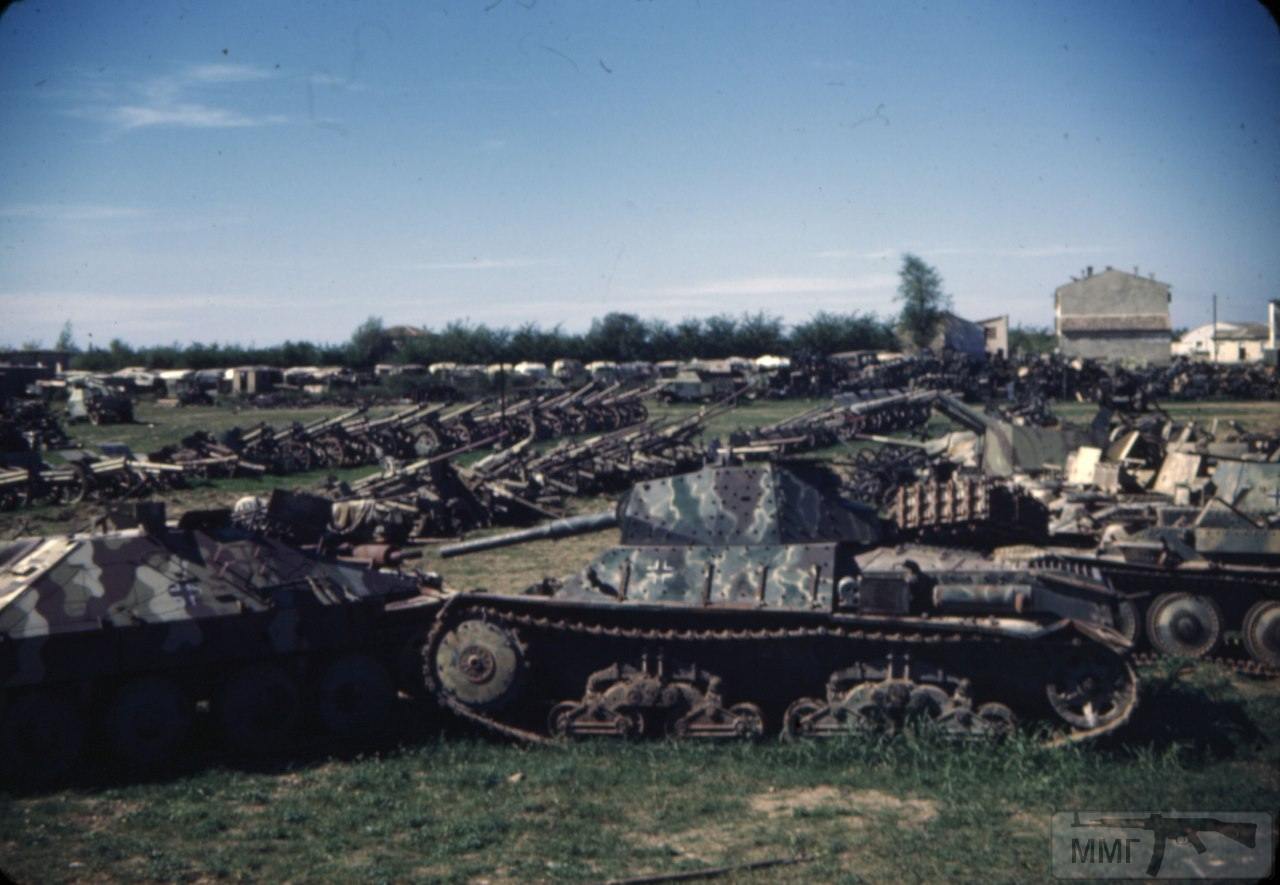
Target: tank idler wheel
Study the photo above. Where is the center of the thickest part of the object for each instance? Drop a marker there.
(1184, 625)
(355, 696)
(1090, 693)
(41, 737)
(479, 664)
(1262, 632)
(1125, 619)
(147, 721)
(259, 709)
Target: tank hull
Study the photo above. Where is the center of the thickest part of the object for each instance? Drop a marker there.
(582, 668)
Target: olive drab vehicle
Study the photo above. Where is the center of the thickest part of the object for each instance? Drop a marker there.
(116, 638)
(734, 606)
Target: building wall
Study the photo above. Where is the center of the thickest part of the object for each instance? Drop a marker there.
(1114, 316)
(1122, 347)
(996, 333)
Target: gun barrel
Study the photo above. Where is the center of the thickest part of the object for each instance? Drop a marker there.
(560, 528)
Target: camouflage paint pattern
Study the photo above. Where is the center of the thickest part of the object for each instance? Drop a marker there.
(90, 606)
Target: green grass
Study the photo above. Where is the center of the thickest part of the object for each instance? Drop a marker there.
(457, 808)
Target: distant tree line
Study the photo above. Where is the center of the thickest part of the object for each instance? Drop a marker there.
(621, 337)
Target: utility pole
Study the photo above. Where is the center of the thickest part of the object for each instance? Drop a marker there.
(1215, 327)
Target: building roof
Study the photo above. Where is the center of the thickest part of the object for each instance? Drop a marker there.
(1118, 322)
(1150, 278)
(1227, 332)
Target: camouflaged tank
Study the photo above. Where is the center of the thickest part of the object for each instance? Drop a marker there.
(734, 606)
(117, 638)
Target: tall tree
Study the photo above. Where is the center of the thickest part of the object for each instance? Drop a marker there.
(370, 343)
(923, 301)
(66, 340)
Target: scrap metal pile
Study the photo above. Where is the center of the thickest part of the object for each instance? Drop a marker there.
(353, 438)
(846, 418)
(1181, 518)
(1028, 377)
(438, 497)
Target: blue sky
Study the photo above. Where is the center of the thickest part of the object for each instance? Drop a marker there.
(262, 171)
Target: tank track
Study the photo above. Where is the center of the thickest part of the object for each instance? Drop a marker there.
(1244, 666)
(501, 615)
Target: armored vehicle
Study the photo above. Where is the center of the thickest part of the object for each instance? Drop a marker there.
(118, 637)
(734, 606)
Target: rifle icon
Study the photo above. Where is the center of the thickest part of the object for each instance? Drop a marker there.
(1182, 829)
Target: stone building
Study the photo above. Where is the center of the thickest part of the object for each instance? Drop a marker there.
(1114, 316)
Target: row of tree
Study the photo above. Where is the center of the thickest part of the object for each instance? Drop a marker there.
(621, 337)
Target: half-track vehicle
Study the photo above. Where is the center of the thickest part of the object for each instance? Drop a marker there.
(118, 637)
(734, 606)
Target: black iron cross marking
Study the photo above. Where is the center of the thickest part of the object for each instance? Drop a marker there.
(186, 589)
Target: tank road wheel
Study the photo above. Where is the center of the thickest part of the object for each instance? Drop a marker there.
(998, 719)
(1092, 693)
(40, 738)
(1262, 632)
(147, 721)
(355, 696)
(1184, 625)
(796, 721)
(748, 721)
(574, 719)
(478, 664)
(259, 709)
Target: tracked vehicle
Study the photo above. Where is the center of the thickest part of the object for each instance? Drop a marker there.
(734, 606)
(117, 637)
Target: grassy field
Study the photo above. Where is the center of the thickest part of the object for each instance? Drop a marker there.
(452, 807)
(434, 802)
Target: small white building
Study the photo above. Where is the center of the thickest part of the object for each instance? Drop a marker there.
(1225, 343)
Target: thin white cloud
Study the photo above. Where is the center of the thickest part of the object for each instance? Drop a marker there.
(877, 255)
(226, 73)
(766, 285)
(181, 100)
(69, 212)
(975, 251)
(482, 264)
(185, 115)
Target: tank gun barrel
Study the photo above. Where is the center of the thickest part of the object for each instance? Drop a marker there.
(560, 528)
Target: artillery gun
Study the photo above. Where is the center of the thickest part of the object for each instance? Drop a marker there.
(734, 605)
(126, 633)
